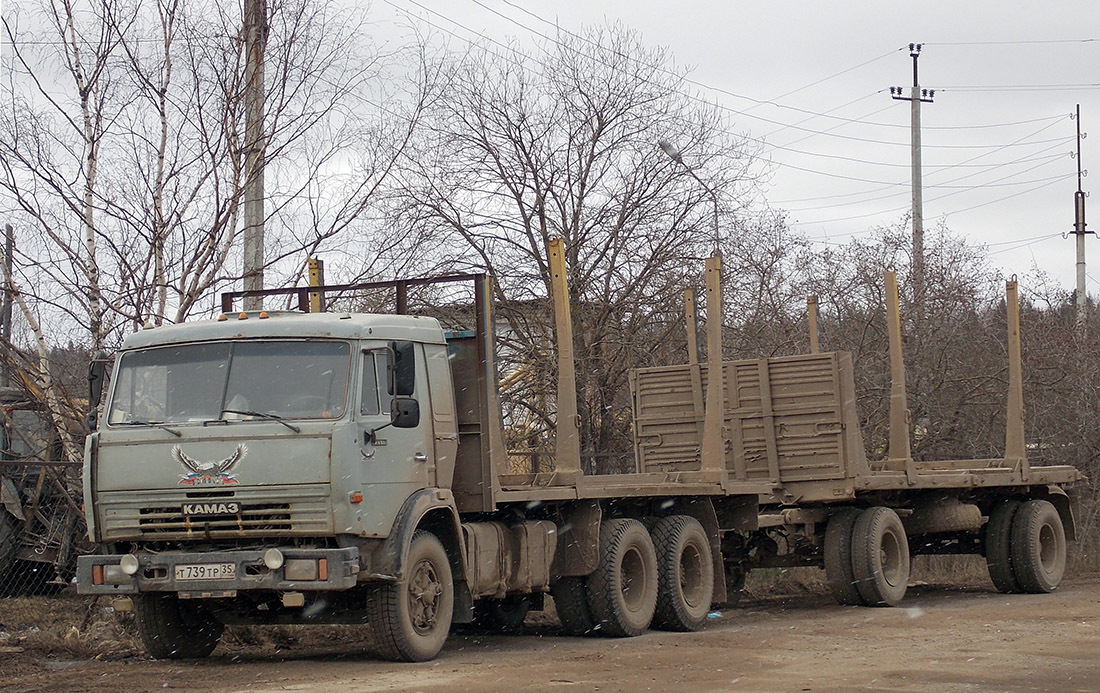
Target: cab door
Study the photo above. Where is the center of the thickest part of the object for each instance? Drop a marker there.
(396, 462)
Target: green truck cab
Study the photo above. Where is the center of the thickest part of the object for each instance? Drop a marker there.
(248, 465)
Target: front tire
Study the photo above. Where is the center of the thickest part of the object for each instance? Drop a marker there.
(1038, 547)
(685, 573)
(622, 592)
(174, 628)
(880, 557)
(411, 619)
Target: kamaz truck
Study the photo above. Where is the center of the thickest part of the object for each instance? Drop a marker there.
(301, 467)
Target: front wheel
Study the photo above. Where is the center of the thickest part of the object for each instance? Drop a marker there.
(173, 628)
(410, 619)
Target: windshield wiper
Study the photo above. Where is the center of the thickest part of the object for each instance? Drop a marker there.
(140, 422)
(262, 415)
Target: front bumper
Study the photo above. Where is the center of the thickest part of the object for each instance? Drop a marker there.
(99, 574)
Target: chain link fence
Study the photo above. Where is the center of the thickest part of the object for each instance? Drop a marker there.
(42, 528)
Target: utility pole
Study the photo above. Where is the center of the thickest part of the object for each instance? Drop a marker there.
(5, 308)
(1079, 231)
(916, 96)
(255, 35)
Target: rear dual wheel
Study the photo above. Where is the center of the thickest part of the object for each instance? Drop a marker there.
(880, 557)
(1025, 546)
(867, 556)
(622, 591)
(685, 570)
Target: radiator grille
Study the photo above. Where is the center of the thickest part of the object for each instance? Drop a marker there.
(264, 511)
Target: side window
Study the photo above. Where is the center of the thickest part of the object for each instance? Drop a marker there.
(375, 399)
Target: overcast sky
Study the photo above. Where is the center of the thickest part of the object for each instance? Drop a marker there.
(811, 79)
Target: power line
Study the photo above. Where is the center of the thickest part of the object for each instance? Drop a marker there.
(1009, 43)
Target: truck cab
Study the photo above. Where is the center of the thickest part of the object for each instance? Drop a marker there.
(245, 466)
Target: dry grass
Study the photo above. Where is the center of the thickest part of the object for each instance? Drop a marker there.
(67, 625)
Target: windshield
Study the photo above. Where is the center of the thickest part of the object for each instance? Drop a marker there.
(201, 382)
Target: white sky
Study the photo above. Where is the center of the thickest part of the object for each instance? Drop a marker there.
(840, 145)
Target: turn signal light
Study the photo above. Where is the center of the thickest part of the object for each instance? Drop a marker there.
(356, 497)
(97, 575)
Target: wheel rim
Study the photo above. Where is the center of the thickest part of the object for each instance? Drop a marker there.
(424, 592)
(1048, 548)
(691, 575)
(890, 558)
(634, 579)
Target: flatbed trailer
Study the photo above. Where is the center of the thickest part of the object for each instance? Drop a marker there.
(403, 513)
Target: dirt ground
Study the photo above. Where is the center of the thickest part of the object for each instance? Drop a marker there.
(969, 639)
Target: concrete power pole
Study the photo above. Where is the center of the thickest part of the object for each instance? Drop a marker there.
(1079, 231)
(255, 33)
(916, 96)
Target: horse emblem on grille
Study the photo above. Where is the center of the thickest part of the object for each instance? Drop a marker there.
(208, 473)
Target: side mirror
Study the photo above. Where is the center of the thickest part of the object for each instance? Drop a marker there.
(405, 412)
(97, 370)
(403, 369)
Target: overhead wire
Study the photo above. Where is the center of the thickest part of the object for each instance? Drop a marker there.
(993, 148)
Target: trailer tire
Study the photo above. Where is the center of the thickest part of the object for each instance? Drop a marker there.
(1038, 547)
(622, 591)
(174, 628)
(504, 615)
(411, 619)
(838, 557)
(571, 604)
(998, 546)
(685, 574)
(880, 557)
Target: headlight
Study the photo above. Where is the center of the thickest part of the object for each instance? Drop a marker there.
(129, 564)
(273, 559)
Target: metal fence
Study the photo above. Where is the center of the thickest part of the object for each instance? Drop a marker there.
(42, 528)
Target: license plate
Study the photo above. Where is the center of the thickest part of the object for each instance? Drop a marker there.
(206, 571)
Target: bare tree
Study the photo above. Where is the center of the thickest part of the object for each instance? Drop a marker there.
(138, 149)
(519, 150)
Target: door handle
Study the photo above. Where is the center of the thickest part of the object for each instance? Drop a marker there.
(420, 457)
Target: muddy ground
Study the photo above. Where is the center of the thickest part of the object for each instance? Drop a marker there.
(942, 638)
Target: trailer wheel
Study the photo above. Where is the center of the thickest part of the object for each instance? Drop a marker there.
(838, 557)
(503, 615)
(622, 592)
(998, 547)
(174, 628)
(685, 574)
(880, 557)
(410, 619)
(571, 603)
(1038, 547)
